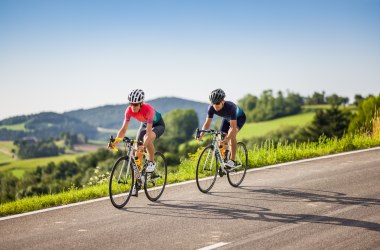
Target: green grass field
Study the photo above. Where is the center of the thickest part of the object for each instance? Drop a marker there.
(262, 128)
(309, 108)
(6, 152)
(20, 126)
(19, 167)
(5, 158)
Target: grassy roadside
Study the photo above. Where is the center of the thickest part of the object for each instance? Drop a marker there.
(264, 155)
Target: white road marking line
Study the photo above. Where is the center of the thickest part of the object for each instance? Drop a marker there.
(216, 245)
(191, 181)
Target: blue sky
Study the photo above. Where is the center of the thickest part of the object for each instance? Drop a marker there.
(65, 55)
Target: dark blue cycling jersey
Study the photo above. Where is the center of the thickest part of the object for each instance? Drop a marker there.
(230, 111)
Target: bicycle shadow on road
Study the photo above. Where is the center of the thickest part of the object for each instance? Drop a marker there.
(236, 207)
(309, 195)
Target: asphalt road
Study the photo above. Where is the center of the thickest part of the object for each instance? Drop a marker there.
(326, 203)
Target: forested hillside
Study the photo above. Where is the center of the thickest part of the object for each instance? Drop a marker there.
(111, 116)
(86, 121)
(43, 125)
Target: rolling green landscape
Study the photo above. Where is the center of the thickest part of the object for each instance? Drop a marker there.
(278, 129)
(18, 167)
(258, 157)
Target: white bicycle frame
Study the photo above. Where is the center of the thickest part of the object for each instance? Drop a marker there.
(216, 143)
(216, 151)
(137, 173)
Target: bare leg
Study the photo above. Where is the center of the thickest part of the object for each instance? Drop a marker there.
(233, 143)
(150, 146)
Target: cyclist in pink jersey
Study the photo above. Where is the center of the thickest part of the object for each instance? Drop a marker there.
(152, 125)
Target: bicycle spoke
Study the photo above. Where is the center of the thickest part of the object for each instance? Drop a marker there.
(155, 182)
(236, 176)
(121, 181)
(206, 170)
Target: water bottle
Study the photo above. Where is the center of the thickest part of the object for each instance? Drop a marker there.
(221, 148)
(138, 162)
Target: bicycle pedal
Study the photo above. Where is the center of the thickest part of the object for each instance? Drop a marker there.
(154, 175)
(221, 173)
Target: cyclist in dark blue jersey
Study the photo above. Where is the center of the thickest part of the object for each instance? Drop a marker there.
(232, 122)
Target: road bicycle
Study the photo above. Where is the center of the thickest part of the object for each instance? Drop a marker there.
(129, 170)
(212, 160)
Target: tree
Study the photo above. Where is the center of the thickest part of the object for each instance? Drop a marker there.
(269, 107)
(316, 98)
(248, 102)
(181, 123)
(7, 187)
(265, 108)
(28, 148)
(334, 99)
(293, 104)
(358, 98)
(279, 105)
(180, 126)
(331, 122)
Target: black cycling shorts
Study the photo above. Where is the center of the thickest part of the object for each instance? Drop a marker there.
(158, 129)
(225, 125)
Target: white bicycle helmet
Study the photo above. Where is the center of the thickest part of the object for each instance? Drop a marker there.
(217, 95)
(136, 96)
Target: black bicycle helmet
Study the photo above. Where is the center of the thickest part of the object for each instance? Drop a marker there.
(217, 95)
(136, 96)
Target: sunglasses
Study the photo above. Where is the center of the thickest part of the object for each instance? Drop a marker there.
(134, 104)
(217, 103)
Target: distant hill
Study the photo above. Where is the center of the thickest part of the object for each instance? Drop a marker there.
(86, 121)
(111, 116)
(43, 125)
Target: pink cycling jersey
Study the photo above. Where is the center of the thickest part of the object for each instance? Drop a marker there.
(145, 114)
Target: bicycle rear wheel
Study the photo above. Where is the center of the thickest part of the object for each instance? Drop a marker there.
(236, 176)
(206, 169)
(121, 182)
(155, 182)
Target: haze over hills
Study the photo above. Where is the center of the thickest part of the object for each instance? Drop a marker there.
(111, 116)
(86, 121)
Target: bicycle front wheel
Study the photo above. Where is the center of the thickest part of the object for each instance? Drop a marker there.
(121, 182)
(155, 182)
(206, 169)
(236, 176)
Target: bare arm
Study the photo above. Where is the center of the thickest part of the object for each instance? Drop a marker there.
(205, 126)
(123, 130)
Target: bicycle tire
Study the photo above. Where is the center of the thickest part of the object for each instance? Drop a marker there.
(154, 184)
(121, 182)
(207, 170)
(236, 176)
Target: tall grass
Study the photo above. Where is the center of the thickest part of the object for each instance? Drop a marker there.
(266, 154)
(376, 124)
